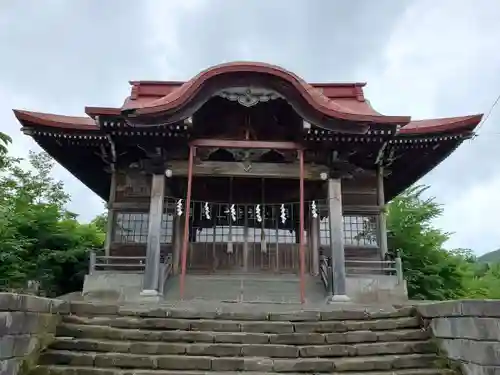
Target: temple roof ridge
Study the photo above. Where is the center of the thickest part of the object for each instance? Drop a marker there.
(342, 100)
(315, 97)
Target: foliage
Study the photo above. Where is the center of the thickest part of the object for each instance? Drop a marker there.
(4, 142)
(484, 281)
(100, 222)
(39, 239)
(431, 271)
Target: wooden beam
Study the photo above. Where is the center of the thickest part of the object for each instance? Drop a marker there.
(254, 170)
(131, 206)
(246, 144)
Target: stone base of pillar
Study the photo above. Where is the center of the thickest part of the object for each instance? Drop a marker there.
(149, 293)
(150, 296)
(338, 298)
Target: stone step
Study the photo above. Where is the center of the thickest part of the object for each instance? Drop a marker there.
(110, 333)
(73, 370)
(263, 364)
(242, 311)
(242, 350)
(219, 325)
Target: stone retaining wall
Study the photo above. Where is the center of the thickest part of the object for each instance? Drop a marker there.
(467, 332)
(27, 325)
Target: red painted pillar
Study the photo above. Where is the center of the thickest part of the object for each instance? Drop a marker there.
(185, 240)
(302, 254)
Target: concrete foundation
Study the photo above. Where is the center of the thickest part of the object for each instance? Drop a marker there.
(127, 287)
(113, 286)
(376, 289)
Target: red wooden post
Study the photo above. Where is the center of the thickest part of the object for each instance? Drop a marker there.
(185, 240)
(302, 254)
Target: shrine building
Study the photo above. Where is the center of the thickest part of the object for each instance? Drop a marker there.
(246, 173)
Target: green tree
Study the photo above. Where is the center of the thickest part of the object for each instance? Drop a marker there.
(39, 239)
(5, 140)
(483, 281)
(100, 222)
(431, 272)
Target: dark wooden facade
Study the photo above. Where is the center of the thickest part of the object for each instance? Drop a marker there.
(208, 249)
(249, 127)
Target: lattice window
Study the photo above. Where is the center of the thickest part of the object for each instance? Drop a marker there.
(167, 228)
(132, 227)
(359, 231)
(222, 233)
(221, 215)
(324, 232)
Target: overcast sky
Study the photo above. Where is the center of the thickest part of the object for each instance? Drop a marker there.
(424, 58)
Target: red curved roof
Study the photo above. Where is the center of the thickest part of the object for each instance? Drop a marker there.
(344, 100)
(413, 128)
(442, 124)
(313, 95)
(56, 121)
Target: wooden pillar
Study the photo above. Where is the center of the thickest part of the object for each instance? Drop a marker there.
(111, 214)
(382, 220)
(301, 230)
(245, 240)
(337, 240)
(277, 237)
(178, 231)
(152, 271)
(314, 244)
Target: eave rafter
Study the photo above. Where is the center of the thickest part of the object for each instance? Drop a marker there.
(58, 134)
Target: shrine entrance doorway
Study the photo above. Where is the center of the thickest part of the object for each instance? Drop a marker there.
(243, 238)
(242, 255)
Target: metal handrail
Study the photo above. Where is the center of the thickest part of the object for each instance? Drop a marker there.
(101, 262)
(394, 267)
(166, 268)
(325, 273)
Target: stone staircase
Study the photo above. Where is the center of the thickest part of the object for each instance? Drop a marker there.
(249, 288)
(237, 338)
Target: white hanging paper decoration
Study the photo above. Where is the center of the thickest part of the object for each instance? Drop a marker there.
(314, 209)
(207, 211)
(258, 216)
(230, 247)
(283, 214)
(232, 210)
(179, 207)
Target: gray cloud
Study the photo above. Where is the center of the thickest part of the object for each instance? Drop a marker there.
(78, 51)
(320, 40)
